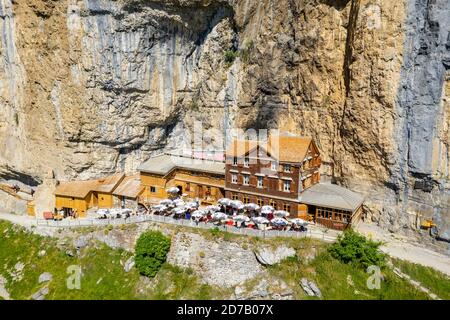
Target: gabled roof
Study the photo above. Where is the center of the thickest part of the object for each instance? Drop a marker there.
(283, 148)
(129, 187)
(331, 196)
(289, 148)
(164, 164)
(80, 189)
(239, 148)
(108, 184)
(75, 189)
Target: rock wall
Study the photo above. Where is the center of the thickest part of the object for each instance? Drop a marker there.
(95, 86)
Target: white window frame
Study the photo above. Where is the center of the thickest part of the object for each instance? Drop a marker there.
(274, 166)
(285, 184)
(260, 182)
(235, 161)
(234, 178)
(246, 180)
(285, 166)
(246, 162)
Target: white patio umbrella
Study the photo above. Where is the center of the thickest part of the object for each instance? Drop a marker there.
(173, 190)
(260, 220)
(212, 209)
(159, 208)
(281, 213)
(251, 207)
(224, 201)
(279, 222)
(102, 213)
(267, 209)
(241, 218)
(179, 202)
(166, 202)
(219, 216)
(198, 214)
(236, 204)
(192, 205)
(179, 210)
(298, 222)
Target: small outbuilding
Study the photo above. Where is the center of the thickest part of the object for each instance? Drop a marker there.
(128, 192)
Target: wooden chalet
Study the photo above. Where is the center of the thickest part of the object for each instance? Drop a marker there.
(76, 197)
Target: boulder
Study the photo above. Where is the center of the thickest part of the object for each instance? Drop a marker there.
(267, 256)
(40, 295)
(310, 288)
(129, 264)
(80, 242)
(45, 277)
(70, 253)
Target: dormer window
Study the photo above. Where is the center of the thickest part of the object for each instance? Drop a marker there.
(287, 168)
(235, 161)
(246, 162)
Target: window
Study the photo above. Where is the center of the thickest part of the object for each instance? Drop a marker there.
(260, 202)
(260, 182)
(246, 200)
(246, 179)
(235, 161)
(188, 187)
(287, 168)
(208, 191)
(246, 162)
(152, 189)
(234, 197)
(234, 178)
(274, 166)
(287, 207)
(273, 204)
(286, 186)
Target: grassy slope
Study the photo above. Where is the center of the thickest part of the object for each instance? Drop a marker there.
(171, 282)
(97, 263)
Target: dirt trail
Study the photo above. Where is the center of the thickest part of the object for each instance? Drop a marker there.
(403, 248)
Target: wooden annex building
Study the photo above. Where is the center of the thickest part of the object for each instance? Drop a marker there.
(76, 197)
(195, 178)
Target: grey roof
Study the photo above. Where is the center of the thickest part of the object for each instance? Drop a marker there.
(331, 196)
(164, 163)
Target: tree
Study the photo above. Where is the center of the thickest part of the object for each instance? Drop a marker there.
(151, 252)
(356, 249)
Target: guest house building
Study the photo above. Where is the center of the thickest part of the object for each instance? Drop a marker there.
(284, 172)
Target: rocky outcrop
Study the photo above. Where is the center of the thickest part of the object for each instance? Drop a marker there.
(268, 256)
(97, 86)
(223, 264)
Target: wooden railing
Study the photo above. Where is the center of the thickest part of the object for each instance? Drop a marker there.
(333, 224)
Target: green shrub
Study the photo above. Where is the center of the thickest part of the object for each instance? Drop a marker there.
(353, 248)
(151, 252)
(230, 56)
(215, 231)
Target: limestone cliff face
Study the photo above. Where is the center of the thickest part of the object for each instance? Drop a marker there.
(90, 87)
